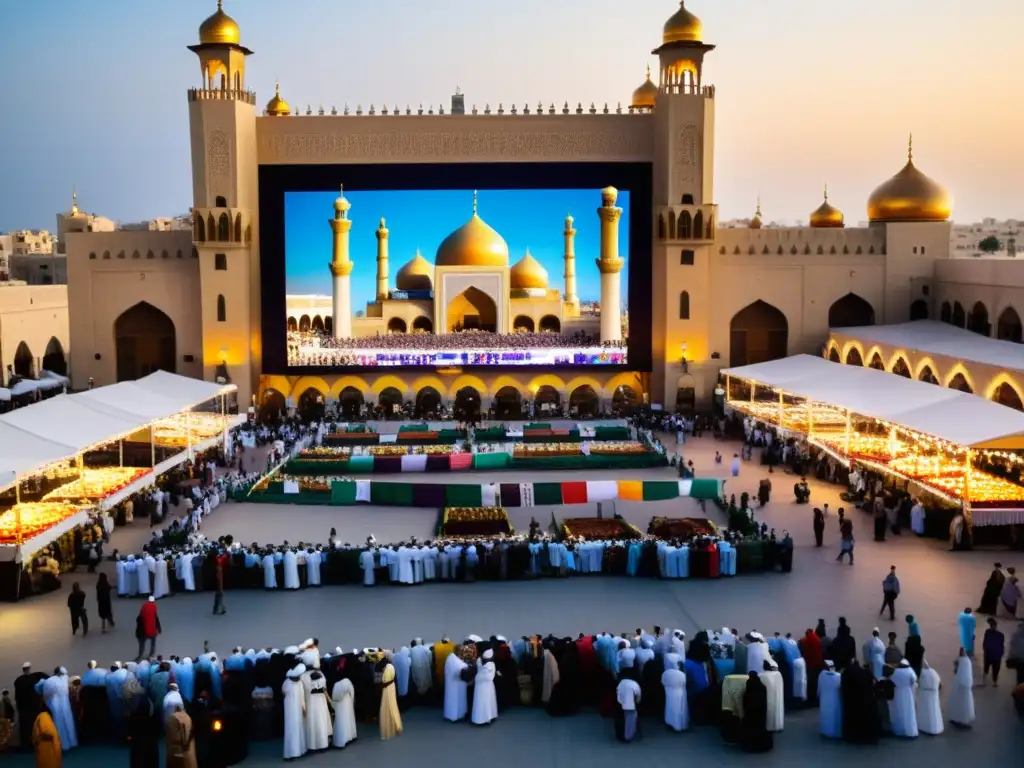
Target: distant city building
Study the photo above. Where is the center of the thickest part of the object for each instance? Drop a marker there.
(966, 239)
(31, 241)
(159, 224)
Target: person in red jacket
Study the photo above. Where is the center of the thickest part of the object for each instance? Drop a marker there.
(147, 627)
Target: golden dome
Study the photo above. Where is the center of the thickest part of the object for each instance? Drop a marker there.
(910, 196)
(278, 106)
(682, 27)
(756, 222)
(220, 29)
(827, 216)
(645, 95)
(474, 244)
(416, 275)
(528, 273)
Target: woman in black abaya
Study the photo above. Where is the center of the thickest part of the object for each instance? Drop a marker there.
(754, 735)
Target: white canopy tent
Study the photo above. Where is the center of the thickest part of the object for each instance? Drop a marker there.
(946, 414)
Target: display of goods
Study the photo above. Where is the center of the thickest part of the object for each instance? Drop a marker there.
(984, 488)
(874, 447)
(175, 431)
(926, 466)
(325, 454)
(681, 527)
(475, 521)
(36, 518)
(617, 449)
(542, 450)
(433, 450)
(600, 528)
(97, 483)
(388, 450)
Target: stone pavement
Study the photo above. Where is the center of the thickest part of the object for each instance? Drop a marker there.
(936, 585)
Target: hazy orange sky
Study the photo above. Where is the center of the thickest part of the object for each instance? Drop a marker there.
(808, 92)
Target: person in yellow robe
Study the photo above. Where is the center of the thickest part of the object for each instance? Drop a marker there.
(390, 718)
(180, 744)
(442, 651)
(46, 742)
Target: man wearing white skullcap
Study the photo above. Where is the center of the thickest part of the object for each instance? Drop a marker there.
(485, 696)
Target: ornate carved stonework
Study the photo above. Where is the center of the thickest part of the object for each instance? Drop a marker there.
(218, 156)
(455, 146)
(687, 158)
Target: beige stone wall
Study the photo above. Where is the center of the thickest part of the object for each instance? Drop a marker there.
(35, 315)
(998, 283)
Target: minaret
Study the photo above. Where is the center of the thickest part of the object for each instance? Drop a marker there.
(382, 261)
(610, 266)
(341, 269)
(571, 299)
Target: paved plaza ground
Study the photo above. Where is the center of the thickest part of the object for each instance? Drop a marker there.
(936, 585)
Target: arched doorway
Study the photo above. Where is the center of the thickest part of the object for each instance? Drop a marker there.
(977, 321)
(350, 402)
(853, 357)
(508, 403)
(946, 312)
(928, 376)
(850, 311)
(293, 324)
(900, 368)
(24, 362)
(546, 400)
(522, 323)
(428, 402)
(311, 405)
(758, 333)
(304, 324)
(550, 324)
(329, 325)
(467, 405)
(396, 325)
(1009, 328)
(624, 399)
(388, 399)
(54, 359)
(959, 316)
(146, 341)
(423, 324)
(919, 310)
(583, 402)
(959, 382)
(318, 324)
(876, 362)
(472, 310)
(686, 395)
(833, 355)
(272, 406)
(1006, 395)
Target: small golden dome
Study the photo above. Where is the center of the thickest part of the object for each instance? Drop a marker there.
(644, 96)
(277, 106)
(416, 275)
(474, 244)
(528, 273)
(341, 203)
(220, 29)
(609, 196)
(827, 216)
(682, 27)
(910, 196)
(756, 222)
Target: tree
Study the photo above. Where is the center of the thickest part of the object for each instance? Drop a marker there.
(990, 244)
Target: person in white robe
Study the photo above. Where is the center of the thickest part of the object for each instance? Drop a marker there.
(294, 714)
(929, 709)
(455, 688)
(830, 702)
(874, 654)
(902, 708)
(679, 643)
(672, 660)
(960, 704)
(122, 578)
(172, 701)
(625, 656)
(757, 654)
(402, 661)
(419, 554)
(430, 563)
(677, 713)
(645, 652)
(161, 584)
(366, 563)
(405, 575)
(627, 694)
(142, 574)
(188, 575)
(772, 680)
(319, 725)
(419, 666)
(343, 696)
(291, 570)
(394, 564)
(313, 558)
(444, 558)
(54, 691)
(269, 574)
(485, 696)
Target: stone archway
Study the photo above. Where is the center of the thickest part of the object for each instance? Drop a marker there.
(977, 321)
(350, 402)
(959, 382)
(876, 362)
(853, 357)
(508, 403)
(311, 404)
(624, 399)
(317, 325)
(546, 396)
(54, 359)
(428, 402)
(272, 406)
(1006, 395)
(304, 324)
(472, 310)
(919, 310)
(900, 368)
(396, 325)
(550, 324)
(1009, 326)
(758, 333)
(686, 395)
(584, 402)
(523, 323)
(850, 311)
(833, 355)
(946, 312)
(24, 362)
(423, 324)
(293, 324)
(467, 405)
(959, 316)
(388, 398)
(146, 341)
(928, 376)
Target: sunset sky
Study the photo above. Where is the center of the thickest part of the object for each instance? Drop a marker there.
(808, 92)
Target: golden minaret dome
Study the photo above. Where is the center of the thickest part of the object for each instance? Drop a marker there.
(645, 95)
(528, 273)
(682, 27)
(277, 106)
(910, 196)
(756, 222)
(220, 29)
(416, 275)
(827, 216)
(474, 244)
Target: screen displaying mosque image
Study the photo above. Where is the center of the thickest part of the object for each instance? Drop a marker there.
(496, 277)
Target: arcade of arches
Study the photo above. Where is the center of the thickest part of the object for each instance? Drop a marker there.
(145, 341)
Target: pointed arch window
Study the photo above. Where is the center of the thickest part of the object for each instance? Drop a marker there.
(684, 305)
(222, 309)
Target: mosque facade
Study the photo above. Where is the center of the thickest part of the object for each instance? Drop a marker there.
(190, 302)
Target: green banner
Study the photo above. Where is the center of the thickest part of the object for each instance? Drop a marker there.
(463, 496)
(654, 490)
(343, 493)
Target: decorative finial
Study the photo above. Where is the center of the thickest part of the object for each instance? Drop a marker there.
(341, 190)
(826, 191)
(910, 149)
(74, 196)
(382, 223)
(758, 211)
(277, 88)
(648, 71)
(474, 202)
(458, 91)
(220, 5)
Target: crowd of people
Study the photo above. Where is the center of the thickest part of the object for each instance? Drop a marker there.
(745, 684)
